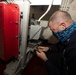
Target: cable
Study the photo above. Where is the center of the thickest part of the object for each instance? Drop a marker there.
(51, 2)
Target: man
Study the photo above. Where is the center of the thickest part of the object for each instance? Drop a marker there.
(60, 59)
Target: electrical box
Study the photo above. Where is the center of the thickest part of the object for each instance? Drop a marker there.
(9, 30)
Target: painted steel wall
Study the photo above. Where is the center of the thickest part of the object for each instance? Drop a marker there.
(9, 25)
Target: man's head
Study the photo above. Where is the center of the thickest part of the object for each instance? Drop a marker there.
(60, 20)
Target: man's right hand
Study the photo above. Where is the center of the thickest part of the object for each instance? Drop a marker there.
(41, 55)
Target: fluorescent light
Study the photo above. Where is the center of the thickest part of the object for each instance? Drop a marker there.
(57, 2)
(45, 2)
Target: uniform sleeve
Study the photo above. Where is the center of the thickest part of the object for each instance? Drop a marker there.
(53, 62)
(51, 68)
(55, 47)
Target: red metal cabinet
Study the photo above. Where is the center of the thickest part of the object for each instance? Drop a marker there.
(9, 30)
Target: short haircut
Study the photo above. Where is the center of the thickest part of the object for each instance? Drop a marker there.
(63, 15)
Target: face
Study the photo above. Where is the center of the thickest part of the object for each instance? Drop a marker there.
(55, 27)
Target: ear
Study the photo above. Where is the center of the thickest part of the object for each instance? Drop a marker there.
(63, 25)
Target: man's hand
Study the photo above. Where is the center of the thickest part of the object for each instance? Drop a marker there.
(44, 49)
(41, 55)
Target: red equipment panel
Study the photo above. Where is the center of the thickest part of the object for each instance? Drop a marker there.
(9, 30)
